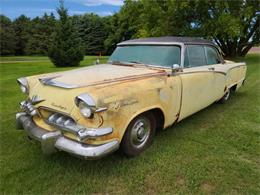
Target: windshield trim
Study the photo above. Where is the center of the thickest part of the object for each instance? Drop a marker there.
(150, 43)
(181, 45)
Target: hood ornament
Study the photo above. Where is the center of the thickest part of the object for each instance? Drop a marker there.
(49, 81)
(46, 80)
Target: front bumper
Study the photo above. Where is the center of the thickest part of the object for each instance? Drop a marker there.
(53, 140)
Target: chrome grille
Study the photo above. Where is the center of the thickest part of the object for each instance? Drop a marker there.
(62, 121)
(66, 123)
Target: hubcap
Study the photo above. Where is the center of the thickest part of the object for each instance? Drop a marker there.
(140, 132)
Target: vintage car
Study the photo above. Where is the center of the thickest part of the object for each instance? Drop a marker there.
(146, 85)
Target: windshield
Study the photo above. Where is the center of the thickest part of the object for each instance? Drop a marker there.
(147, 54)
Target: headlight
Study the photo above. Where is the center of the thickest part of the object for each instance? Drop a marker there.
(85, 109)
(23, 85)
(87, 105)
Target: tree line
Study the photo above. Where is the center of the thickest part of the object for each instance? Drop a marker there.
(232, 25)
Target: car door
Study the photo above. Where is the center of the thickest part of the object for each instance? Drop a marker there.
(198, 87)
(215, 63)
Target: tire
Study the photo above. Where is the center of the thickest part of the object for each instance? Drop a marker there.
(18, 125)
(225, 98)
(139, 135)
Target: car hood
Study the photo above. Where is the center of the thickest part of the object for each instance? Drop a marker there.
(97, 74)
(58, 90)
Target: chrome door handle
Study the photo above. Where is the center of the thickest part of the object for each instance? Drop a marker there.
(211, 69)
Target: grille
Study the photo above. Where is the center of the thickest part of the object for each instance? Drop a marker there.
(65, 123)
(60, 120)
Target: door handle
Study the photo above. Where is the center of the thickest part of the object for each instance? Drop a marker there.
(212, 69)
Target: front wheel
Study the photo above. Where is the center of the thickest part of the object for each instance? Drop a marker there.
(139, 135)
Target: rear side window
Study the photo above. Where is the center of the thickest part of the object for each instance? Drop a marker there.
(194, 56)
(212, 56)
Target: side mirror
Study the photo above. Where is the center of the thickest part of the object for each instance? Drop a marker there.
(176, 68)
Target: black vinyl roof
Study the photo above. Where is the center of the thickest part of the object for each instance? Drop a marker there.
(168, 40)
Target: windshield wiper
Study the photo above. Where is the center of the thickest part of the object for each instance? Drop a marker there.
(128, 63)
(136, 62)
(121, 63)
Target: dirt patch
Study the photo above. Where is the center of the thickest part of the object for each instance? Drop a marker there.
(180, 180)
(115, 185)
(151, 183)
(207, 187)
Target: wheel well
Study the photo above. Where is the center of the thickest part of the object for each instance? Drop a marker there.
(159, 116)
(233, 88)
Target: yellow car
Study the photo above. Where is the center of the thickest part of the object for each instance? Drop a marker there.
(147, 85)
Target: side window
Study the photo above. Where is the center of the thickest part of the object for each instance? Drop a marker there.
(194, 56)
(212, 56)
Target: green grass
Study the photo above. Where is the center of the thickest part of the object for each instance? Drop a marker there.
(217, 150)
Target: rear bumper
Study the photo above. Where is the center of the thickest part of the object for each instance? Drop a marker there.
(51, 141)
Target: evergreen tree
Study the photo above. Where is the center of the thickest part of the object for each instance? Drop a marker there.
(66, 49)
(41, 30)
(92, 32)
(21, 27)
(7, 36)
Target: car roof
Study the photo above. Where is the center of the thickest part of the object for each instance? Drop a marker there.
(167, 41)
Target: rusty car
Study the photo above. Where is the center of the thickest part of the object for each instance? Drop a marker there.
(147, 84)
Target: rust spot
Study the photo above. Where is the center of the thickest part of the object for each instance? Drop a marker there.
(128, 102)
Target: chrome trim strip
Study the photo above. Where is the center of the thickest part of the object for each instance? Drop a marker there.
(240, 64)
(201, 71)
(149, 43)
(101, 109)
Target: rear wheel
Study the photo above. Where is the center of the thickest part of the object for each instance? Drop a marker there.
(139, 134)
(225, 97)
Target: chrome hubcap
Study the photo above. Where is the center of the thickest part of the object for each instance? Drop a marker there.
(140, 132)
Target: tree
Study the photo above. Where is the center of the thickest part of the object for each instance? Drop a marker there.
(66, 49)
(124, 25)
(92, 32)
(41, 30)
(234, 25)
(7, 36)
(21, 27)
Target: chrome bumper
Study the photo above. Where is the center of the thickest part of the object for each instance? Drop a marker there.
(51, 141)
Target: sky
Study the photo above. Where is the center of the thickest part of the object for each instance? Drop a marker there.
(33, 8)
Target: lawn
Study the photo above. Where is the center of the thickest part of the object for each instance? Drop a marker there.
(217, 150)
